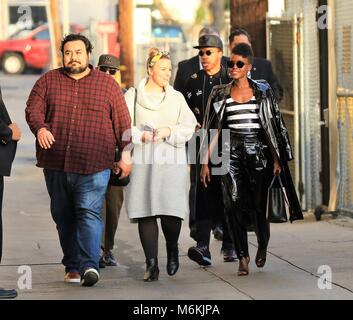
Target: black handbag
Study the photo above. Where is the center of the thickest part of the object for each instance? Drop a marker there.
(277, 209)
(114, 178)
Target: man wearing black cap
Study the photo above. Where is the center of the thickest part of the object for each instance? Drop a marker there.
(193, 65)
(206, 205)
(9, 135)
(114, 196)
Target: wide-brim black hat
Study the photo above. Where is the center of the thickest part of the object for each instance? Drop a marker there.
(209, 41)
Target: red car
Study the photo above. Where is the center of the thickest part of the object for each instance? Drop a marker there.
(26, 48)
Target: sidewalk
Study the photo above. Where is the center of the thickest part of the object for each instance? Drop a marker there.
(295, 253)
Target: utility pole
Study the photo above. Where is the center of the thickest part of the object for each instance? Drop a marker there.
(55, 32)
(66, 19)
(251, 15)
(126, 40)
(4, 18)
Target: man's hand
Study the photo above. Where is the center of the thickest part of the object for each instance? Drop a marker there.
(16, 132)
(162, 133)
(124, 165)
(205, 175)
(45, 138)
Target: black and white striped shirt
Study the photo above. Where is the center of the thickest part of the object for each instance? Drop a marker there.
(242, 118)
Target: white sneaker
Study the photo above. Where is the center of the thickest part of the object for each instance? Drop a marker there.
(90, 277)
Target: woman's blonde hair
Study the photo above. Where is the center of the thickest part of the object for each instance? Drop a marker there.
(154, 55)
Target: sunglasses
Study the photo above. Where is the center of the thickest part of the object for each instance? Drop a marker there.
(207, 53)
(111, 71)
(231, 64)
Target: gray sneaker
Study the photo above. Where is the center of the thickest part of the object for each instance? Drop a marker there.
(109, 259)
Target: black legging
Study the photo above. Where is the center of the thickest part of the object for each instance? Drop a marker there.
(148, 231)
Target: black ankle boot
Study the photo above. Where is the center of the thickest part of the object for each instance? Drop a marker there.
(172, 260)
(152, 270)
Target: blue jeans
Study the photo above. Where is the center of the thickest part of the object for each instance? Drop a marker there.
(76, 205)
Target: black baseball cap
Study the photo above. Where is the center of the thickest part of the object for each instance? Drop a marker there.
(209, 41)
(109, 61)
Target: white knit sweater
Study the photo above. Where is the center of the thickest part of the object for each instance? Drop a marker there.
(159, 177)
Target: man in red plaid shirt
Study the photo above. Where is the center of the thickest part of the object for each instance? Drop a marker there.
(78, 115)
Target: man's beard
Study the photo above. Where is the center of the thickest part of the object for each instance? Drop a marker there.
(75, 70)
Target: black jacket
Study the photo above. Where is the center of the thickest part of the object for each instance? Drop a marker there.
(273, 125)
(7, 145)
(186, 68)
(262, 70)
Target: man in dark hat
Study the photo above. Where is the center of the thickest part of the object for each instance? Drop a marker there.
(9, 135)
(193, 65)
(110, 64)
(206, 205)
(114, 196)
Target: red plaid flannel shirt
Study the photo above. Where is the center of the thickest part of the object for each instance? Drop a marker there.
(87, 118)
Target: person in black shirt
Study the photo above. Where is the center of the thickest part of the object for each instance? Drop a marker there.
(9, 135)
(206, 205)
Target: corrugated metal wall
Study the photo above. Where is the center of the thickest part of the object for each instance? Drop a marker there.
(281, 56)
(344, 42)
(308, 76)
(311, 117)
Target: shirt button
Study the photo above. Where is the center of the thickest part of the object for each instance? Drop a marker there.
(70, 133)
(72, 120)
(68, 147)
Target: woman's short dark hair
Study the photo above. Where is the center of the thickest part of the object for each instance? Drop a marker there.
(76, 37)
(244, 50)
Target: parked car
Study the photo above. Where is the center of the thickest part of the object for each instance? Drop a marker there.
(27, 49)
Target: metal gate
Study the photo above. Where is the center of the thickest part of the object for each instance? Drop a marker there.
(344, 61)
(293, 48)
(282, 50)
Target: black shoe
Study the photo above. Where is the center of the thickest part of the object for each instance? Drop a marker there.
(218, 233)
(109, 259)
(7, 294)
(152, 270)
(201, 255)
(90, 277)
(229, 255)
(172, 261)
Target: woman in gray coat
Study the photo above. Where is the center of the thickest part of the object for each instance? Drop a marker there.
(163, 123)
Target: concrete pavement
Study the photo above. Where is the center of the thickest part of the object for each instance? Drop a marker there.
(292, 271)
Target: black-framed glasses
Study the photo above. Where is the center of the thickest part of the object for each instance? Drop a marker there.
(231, 64)
(112, 71)
(207, 53)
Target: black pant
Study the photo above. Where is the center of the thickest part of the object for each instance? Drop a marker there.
(245, 190)
(206, 208)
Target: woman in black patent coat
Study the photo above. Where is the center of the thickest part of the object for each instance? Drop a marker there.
(270, 148)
